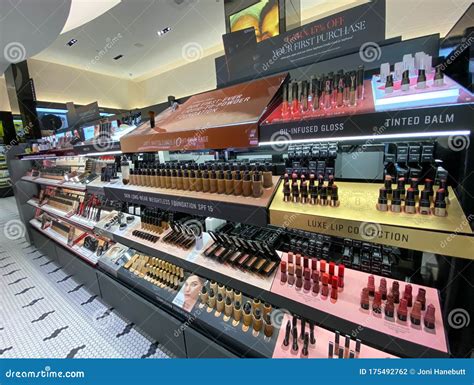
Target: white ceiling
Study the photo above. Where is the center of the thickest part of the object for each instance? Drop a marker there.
(196, 27)
(196, 31)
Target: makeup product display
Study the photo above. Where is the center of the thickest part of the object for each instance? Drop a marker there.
(239, 179)
(184, 233)
(314, 191)
(409, 198)
(156, 271)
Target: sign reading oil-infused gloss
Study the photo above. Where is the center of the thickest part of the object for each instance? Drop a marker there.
(218, 119)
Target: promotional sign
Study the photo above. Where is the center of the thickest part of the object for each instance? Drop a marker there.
(320, 40)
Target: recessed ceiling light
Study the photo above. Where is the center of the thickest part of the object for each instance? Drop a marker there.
(138, 45)
(71, 42)
(164, 31)
(118, 57)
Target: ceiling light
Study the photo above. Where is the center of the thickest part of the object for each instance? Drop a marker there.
(71, 42)
(164, 31)
(118, 57)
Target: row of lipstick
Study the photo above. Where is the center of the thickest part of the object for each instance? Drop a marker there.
(425, 203)
(393, 297)
(421, 81)
(326, 92)
(303, 274)
(306, 191)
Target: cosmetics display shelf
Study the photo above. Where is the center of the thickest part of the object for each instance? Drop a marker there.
(265, 289)
(75, 220)
(48, 154)
(96, 186)
(87, 148)
(83, 253)
(247, 210)
(357, 217)
(53, 182)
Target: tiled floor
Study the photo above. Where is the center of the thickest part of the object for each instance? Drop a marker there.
(45, 313)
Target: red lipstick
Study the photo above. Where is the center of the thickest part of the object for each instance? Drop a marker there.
(364, 299)
(377, 304)
(334, 286)
(307, 279)
(415, 315)
(371, 285)
(340, 273)
(430, 317)
(402, 310)
(408, 295)
(284, 277)
(299, 276)
(325, 281)
(396, 292)
(389, 306)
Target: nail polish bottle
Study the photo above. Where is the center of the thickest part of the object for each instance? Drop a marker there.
(389, 84)
(377, 303)
(229, 183)
(371, 285)
(429, 319)
(408, 294)
(364, 299)
(257, 185)
(395, 292)
(205, 182)
(382, 203)
(396, 206)
(203, 295)
(334, 286)
(425, 205)
(228, 308)
(267, 327)
(286, 340)
(325, 282)
(438, 78)
(410, 203)
(220, 182)
(238, 185)
(283, 276)
(421, 81)
(247, 185)
(286, 192)
(402, 310)
(415, 315)
(383, 288)
(405, 85)
(248, 314)
(421, 298)
(389, 306)
(440, 204)
(237, 313)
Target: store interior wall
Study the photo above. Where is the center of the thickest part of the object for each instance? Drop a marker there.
(58, 83)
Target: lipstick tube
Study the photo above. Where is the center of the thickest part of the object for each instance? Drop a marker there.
(347, 346)
(421, 298)
(382, 203)
(429, 319)
(325, 282)
(330, 349)
(304, 351)
(377, 303)
(307, 279)
(408, 294)
(294, 346)
(283, 275)
(340, 274)
(315, 277)
(337, 336)
(424, 206)
(334, 286)
(352, 90)
(410, 203)
(402, 310)
(415, 315)
(299, 276)
(396, 206)
(327, 94)
(440, 203)
(395, 291)
(383, 288)
(371, 285)
(291, 272)
(389, 306)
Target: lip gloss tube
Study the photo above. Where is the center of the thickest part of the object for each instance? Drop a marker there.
(286, 340)
(284, 107)
(327, 94)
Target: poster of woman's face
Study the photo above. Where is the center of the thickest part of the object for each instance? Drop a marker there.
(189, 292)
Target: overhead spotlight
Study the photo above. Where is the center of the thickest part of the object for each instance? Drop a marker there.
(71, 42)
(164, 31)
(118, 57)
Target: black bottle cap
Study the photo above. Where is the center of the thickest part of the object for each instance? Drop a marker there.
(382, 195)
(237, 305)
(220, 297)
(410, 198)
(389, 81)
(247, 307)
(247, 176)
(213, 174)
(228, 301)
(257, 177)
(204, 290)
(211, 293)
(228, 175)
(421, 75)
(438, 74)
(425, 198)
(220, 174)
(205, 174)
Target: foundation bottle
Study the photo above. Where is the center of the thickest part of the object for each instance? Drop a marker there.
(267, 177)
(150, 177)
(140, 177)
(220, 182)
(145, 177)
(257, 186)
(205, 181)
(247, 185)
(179, 179)
(185, 179)
(198, 184)
(132, 176)
(173, 179)
(157, 176)
(162, 177)
(238, 185)
(168, 177)
(154, 178)
(229, 183)
(192, 180)
(213, 182)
